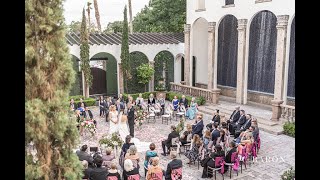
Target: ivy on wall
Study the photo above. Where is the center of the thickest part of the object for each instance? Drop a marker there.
(136, 59)
(164, 61)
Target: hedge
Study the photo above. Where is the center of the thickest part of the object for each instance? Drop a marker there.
(87, 101)
(289, 129)
(145, 95)
(199, 100)
(76, 98)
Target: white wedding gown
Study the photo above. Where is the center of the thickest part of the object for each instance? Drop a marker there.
(123, 129)
(113, 126)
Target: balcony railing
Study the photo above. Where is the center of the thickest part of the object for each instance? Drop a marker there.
(288, 113)
(192, 91)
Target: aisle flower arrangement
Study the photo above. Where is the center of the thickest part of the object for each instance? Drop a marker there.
(88, 125)
(140, 117)
(112, 141)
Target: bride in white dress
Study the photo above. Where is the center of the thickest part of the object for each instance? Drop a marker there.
(123, 126)
(113, 117)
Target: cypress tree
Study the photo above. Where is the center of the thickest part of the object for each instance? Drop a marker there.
(48, 78)
(125, 56)
(84, 54)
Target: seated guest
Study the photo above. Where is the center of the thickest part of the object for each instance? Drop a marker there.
(151, 100)
(191, 112)
(139, 101)
(206, 138)
(242, 135)
(181, 108)
(184, 100)
(247, 141)
(245, 126)
(193, 154)
(218, 152)
(222, 139)
(83, 155)
(234, 116)
(132, 154)
(255, 132)
(113, 172)
(215, 119)
(108, 156)
(197, 127)
(87, 170)
(151, 153)
(236, 125)
(81, 108)
(155, 172)
(80, 103)
(232, 147)
(175, 103)
(129, 170)
(72, 105)
(99, 172)
(87, 114)
(225, 128)
(174, 167)
(167, 142)
(127, 144)
(161, 101)
(215, 134)
(183, 138)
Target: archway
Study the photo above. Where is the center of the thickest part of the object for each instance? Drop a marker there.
(164, 69)
(76, 87)
(179, 68)
(136, 59)
(200, 51)
(227, 51)
(262, 52)
(104, 73)
(292, 62)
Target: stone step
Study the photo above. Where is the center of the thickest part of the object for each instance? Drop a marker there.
(274, 129)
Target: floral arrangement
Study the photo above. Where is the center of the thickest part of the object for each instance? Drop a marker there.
(111, 140)
(141, 116)
(180, 126)
(288, 175)
(89, 125)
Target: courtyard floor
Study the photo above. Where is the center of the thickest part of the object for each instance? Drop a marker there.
(276, 155)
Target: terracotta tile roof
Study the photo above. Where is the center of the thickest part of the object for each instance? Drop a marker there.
(135, 38)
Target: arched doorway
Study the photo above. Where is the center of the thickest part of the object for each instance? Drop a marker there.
(292, 63)
(227, 52)
(164, 69)
(104, 73)
(262, 52)
(136, 59)
(179, 68)
(76, 87)
(200, 52)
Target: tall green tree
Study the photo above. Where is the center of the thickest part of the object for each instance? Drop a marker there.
(114, 27)
(161, 16)
(84, 55)
(144, 74)
(125, 56)
(48, 78)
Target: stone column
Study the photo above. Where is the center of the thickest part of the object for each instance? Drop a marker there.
(211, 53)
(187, 54)
(121, 83)
(242, 28)
(151, 83)
(282, 23)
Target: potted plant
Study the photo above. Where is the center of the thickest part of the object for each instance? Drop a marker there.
(160, 88)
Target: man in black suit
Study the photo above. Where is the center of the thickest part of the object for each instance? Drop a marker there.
(151, 100)
(87, 114)
(215, 134)
(167, 142)
(233, 149)
(197, 127)
(174, 164)
(184, 101)
(242, 119)
(215, 120)
(240, 128)
(81, 101)
(99, 172)
(131, 119)
(83, 155)
(234, 116)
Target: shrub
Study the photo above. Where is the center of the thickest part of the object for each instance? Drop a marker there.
(88, 101)
(289, 129)
(200, 100)
(76, 98)
(145, 95)
(288, 175)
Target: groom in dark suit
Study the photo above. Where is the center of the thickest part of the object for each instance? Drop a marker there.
(131, 119)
